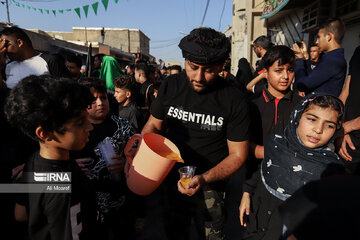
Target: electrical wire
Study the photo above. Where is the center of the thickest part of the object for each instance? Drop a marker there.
(168, 40)
(164, 46)
(222, 13)
(206, 8)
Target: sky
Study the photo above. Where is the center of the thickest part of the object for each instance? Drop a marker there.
(165, 22)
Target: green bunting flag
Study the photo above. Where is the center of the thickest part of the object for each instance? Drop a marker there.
(95, 7)
(105, 3)
(86, 9)
(77, 10)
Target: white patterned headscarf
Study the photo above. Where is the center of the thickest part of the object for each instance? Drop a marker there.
(288, 164)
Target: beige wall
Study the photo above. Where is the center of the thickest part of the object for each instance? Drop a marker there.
(246, 26)
(127, 40)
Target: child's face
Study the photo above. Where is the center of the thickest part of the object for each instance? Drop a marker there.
(120, 95)
(76, 135)
(317, 125)
(279, 77)
(99, 107)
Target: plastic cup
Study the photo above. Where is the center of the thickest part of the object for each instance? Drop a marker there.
(186, 174)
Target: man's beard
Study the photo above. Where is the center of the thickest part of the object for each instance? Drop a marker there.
(207, 86)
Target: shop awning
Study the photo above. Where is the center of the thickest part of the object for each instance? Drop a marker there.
(272, 7)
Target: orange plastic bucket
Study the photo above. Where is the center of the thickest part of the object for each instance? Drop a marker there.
(149, 160)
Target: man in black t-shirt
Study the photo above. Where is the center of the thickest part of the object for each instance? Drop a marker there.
(208, 120)
(260, 46)
(350, 141)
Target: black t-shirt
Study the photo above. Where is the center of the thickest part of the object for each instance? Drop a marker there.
(133, 114)
(61, 215)
(56, 64)
(200, 123)
(145, 94)
(270, 115)
(111, 194)
(352, 109)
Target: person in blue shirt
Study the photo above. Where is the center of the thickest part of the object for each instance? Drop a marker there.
(329, 74)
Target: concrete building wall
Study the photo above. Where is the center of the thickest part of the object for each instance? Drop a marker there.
(247, 26)
(127, 40)
(239, 35)
(66, 36)
(255, 26)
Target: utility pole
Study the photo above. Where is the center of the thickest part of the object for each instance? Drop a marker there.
(7, 10)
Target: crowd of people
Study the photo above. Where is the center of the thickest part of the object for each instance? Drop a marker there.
(273, 147)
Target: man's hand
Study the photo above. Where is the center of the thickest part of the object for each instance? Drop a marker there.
(17, 172)
(3, 48)
(346, 140)
(196, 182)
(117, 164)
(300, 52)
(84, 163)
(244, 207)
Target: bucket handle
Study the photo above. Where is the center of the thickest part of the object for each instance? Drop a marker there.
(132, 147)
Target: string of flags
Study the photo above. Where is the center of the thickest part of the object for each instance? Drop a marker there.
(77, 10)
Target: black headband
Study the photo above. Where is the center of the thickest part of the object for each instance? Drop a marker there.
(202, 54)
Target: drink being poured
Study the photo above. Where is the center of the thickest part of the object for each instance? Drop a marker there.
(171, 156)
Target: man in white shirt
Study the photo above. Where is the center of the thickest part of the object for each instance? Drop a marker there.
(16, 46)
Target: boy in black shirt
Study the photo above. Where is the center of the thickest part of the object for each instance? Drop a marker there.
(124, 95)
(106, 175)
(270, 110)
(53, 112)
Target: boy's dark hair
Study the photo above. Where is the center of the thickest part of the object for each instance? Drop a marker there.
(18, 33)
(125, 82)
(99, 56)
(45, 101)
(143, 67)
(165, 68)
(176, 67)
(336, 26)
(329, 101)
(264, 42)
(131, 66)
(74, 59)
(313, 45)
(151, 69)
(97, 84)
(282, 53)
